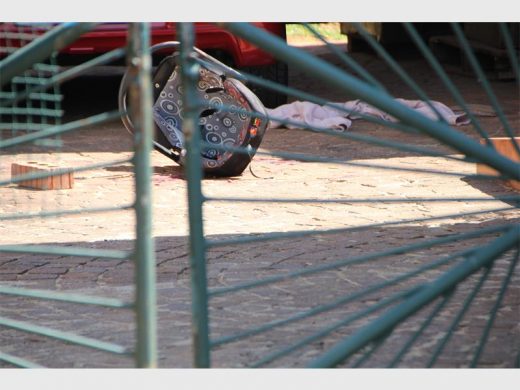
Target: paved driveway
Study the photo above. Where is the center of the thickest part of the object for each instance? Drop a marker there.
(229, 265)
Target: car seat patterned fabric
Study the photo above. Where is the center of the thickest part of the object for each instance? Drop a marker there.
(218, 127)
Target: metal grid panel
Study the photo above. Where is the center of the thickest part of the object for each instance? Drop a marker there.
(32, 129)
(408, 316)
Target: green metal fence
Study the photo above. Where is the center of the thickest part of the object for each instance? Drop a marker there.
(32, 128)
(379, 323)
(415, 289)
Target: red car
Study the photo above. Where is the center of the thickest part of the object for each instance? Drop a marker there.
(210, 38)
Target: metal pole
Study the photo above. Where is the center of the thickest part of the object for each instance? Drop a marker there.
(190, 127)
(141, 102)
(40, 49)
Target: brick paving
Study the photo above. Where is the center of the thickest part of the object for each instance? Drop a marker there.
(230, 265)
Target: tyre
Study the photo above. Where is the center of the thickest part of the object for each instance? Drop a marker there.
(276, 72)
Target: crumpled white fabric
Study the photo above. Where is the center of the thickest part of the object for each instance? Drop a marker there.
(315, 115)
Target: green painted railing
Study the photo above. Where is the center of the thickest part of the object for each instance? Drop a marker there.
(396, 300)
(454, 268)
(32, 81)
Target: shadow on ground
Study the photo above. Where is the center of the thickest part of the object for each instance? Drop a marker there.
(248, 309)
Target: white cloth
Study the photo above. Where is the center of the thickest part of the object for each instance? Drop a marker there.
(312, 114)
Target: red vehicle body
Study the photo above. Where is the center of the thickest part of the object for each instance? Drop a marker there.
(210, 38)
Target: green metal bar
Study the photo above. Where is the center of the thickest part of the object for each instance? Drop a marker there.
(291, 91)
(64, 297)
(346, 135)
(200, 326)
(32, 95)
(360, 259)
(29, 104)
(509, 198)
(56, 90)
(49, 68)
(372, 348)
(340, 301)
(337, 78)
(64, 336)
(43, 174)
(14, 126)
(346, 59)
(30, 111)
(13, 87)
(312, 158)
(496, 306)
(18, 362)
(485, 83)
(58, 213)
(397, 69)
(513, 56)
(350, 136)
(67, 75)
(141, 103)
(366, 138)
(420, 331)
(443, 76)
(42, 70)
(303, 233)
(27, 80)
(247, 77)
(467, 302)
(485, 255)
(66, 251)
(55, 130)
(18, 35)
(40, 49)
(343, 322)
